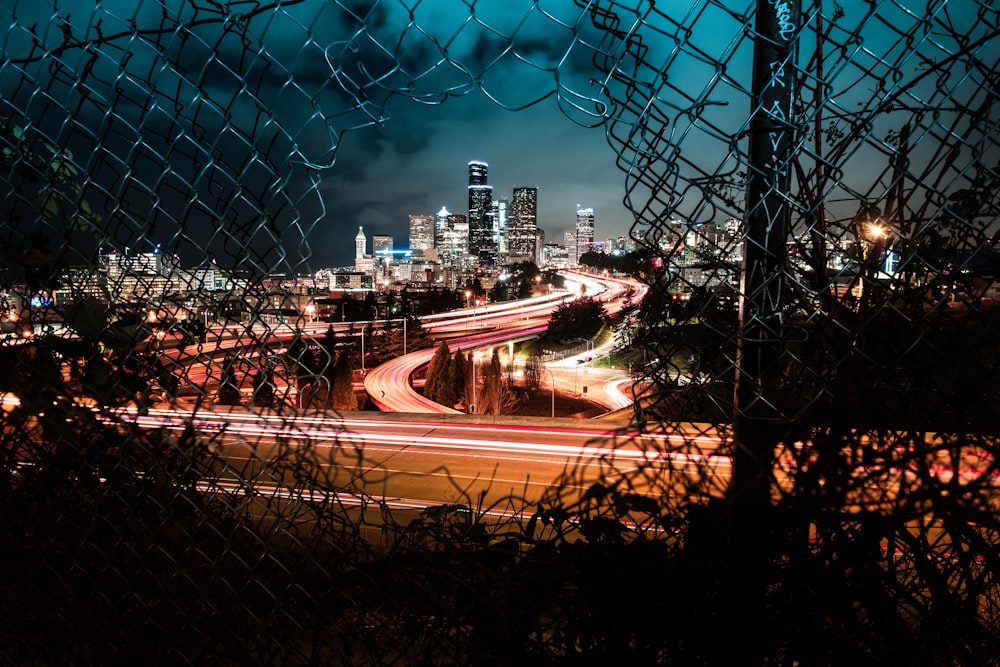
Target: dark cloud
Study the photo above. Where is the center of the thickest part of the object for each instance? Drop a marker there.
(211, 137)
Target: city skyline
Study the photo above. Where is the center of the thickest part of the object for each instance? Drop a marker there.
(478, 183)
(557, 200)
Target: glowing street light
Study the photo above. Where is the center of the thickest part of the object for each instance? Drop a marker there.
(877, 231)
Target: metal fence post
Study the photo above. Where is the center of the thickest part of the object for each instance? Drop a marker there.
(768, 208)
(758, 412)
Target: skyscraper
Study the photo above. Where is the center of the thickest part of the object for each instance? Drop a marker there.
(382, 246)
(522, 228)
(584, 230)
(482, 240)
(569, 240)
(421, 233)
(441, 226)
(500, 208)
(478, 173)
(453, 248)
(382, 253)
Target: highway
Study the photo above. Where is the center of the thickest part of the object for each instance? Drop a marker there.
(417, 458)
(391, 390)
(503, 466)
(507, 466)
(389, 386)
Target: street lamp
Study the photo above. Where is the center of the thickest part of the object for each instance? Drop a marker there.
(363, 328)
(468, 296)
(475, 399)
(552, 386)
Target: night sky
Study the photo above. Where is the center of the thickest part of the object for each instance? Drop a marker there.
(269, 146)
(266, 144)
(418, 162)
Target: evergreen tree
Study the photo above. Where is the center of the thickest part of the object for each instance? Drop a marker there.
(263, 388)
(450, 391)
(342, 385)
(464, 380)
(229, 390)
(416, 335)
(437, 373)
(490, 398)
(582, 318)
(302, 362)
(328, 343)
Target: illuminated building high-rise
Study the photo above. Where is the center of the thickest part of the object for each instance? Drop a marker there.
(584, 230)
(569, 240)
(522, 227)
(500, 208)
(382, 246)
(382, 253)
(440, 226)
(421, 233)
(482, 240)
(360, 244)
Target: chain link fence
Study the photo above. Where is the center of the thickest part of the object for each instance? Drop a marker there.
(814, 201)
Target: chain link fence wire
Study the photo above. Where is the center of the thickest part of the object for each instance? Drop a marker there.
(821, 485)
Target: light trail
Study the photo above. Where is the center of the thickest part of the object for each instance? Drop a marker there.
(378, 432)
(390, 386)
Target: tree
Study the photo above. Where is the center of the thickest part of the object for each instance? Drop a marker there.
(50, 173)
(342, 384)
(533, 373)
(229, 390)
(328, 343)
(302, 362)
(437, 373)
(449, 393)
(416, 335)
(464, 378)
(490, 395)
(263, 387)
(582, 318)
(497, 396)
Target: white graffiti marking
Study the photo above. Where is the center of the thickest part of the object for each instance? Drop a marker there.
(786, 28)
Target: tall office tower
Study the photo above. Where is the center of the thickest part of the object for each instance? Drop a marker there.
(569, 240)
(522, 228)
(584, 230)
(500, 208)
(482, 242)
(421, 233)
(453, 248)
(382, 246)
(440, 226)
(477, 173)
(382, 253)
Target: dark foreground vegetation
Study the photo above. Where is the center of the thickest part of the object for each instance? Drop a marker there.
(117, 552)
